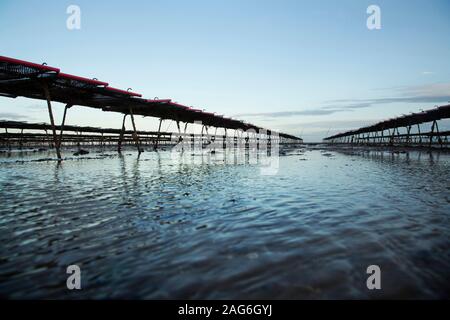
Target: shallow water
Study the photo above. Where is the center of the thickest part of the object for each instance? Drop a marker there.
(160, 227)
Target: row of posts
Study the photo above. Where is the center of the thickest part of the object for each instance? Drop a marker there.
(394, 137)
(57, 139)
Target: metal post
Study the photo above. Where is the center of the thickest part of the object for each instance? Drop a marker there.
(420, 134)
(80, 139)
(438, 134)
(431, 133)
(408, 132)
(207, 135)
(247, 139)
(258, 138)
(8, 143)
(184, 132)
(225, 140)
(119, 146)
(159, 132)
(62, 123)
(179, 132)
(391, 142)
(21, 139)
(135, 134)
(52, 121)
(201, 137)
(44, 139)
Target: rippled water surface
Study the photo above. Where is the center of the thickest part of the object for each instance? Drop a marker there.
(158, 227)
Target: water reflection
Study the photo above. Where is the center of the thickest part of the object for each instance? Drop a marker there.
(199, 226)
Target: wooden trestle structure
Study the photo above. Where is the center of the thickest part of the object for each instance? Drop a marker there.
(20, 78)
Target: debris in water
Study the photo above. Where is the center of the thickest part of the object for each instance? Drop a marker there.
(81, 152)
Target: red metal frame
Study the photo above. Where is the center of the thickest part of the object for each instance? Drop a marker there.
(179, 105)
(29, 64)
(82, 79)
(133, 94)
(158, 100)
(194, 110)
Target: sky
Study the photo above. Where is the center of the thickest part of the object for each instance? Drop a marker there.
(309, 68)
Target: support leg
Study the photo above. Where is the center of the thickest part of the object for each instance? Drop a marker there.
(159, 133)
(21, 139)
(180, 138)
(135, 134)
(8, 143)
(208, 141)
(201, 138)
(68, 106)
(225, 138)
(438, 135)
(185, 129)
(431, 134)
(420, 134)
(119, 145)
(213, 137)
(52, 121)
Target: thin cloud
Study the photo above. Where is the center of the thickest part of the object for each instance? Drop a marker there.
(424, 94)
(356, 104)
(310, 112)
(430, 90)
(332, 124)
(35, 107)
(13, 116)
(349, 106)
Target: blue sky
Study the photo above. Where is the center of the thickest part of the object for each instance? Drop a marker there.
(309, 67)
